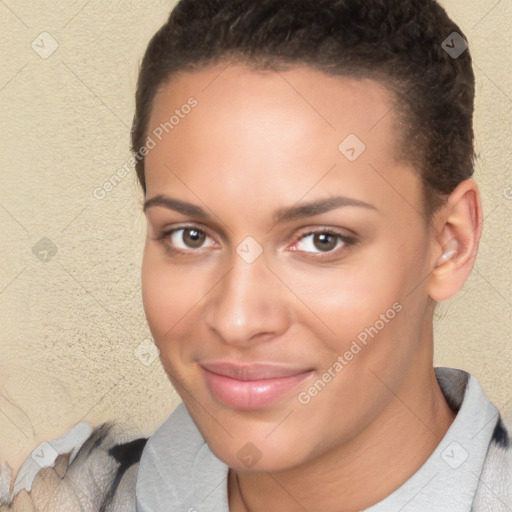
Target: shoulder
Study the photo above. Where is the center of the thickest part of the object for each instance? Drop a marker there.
(86, 469)
(495, 484)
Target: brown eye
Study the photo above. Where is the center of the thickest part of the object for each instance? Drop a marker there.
(186, 239)
(325, 241)
(193, 238)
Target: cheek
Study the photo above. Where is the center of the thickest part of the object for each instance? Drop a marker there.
(349, 298)
(165, 295)
(173, 295)
(366, 299)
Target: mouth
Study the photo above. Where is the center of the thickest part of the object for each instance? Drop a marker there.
(251, 386)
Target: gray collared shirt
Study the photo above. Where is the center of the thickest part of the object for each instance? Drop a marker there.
(179, 472)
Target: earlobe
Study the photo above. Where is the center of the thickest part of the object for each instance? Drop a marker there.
(455, 246)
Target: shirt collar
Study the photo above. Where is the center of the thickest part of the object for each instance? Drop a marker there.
(177, 467)
(448, 480)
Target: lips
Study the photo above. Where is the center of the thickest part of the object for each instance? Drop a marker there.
(251, 386)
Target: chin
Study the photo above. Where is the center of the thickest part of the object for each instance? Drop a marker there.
(255, 458)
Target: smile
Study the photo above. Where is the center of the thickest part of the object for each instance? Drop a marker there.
(251, 387)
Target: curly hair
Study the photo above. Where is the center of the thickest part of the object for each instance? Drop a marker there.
(396, 42)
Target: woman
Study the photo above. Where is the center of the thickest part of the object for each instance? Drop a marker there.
(307, 171)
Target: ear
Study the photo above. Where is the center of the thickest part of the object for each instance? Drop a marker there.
(458, 227)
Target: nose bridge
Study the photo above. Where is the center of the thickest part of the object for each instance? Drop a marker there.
(246, 302)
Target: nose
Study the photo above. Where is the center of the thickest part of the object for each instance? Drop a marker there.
(248, 305)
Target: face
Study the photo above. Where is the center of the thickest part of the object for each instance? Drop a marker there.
(283, 272)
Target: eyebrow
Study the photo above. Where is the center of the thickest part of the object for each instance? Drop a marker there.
(282, 215)
(176, 205)
(318, 207)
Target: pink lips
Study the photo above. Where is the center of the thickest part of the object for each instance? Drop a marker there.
(251, 386)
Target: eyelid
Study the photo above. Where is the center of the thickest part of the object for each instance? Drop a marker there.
(186, 225)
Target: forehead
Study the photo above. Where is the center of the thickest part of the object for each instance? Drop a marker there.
(332, 103)
(250, 127)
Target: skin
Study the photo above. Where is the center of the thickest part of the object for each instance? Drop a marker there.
(258, 142)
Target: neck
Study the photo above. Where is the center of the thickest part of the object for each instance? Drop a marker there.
(364, 470)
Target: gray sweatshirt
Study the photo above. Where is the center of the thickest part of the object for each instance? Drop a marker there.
(179, 472)
(94, 470)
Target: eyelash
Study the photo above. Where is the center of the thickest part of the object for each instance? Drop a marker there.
(346, 240)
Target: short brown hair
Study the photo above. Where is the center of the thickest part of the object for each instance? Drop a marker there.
(396, 42)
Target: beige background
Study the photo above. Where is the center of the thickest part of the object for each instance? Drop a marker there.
(72, 328)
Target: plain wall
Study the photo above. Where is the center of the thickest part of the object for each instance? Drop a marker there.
(72, 326)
